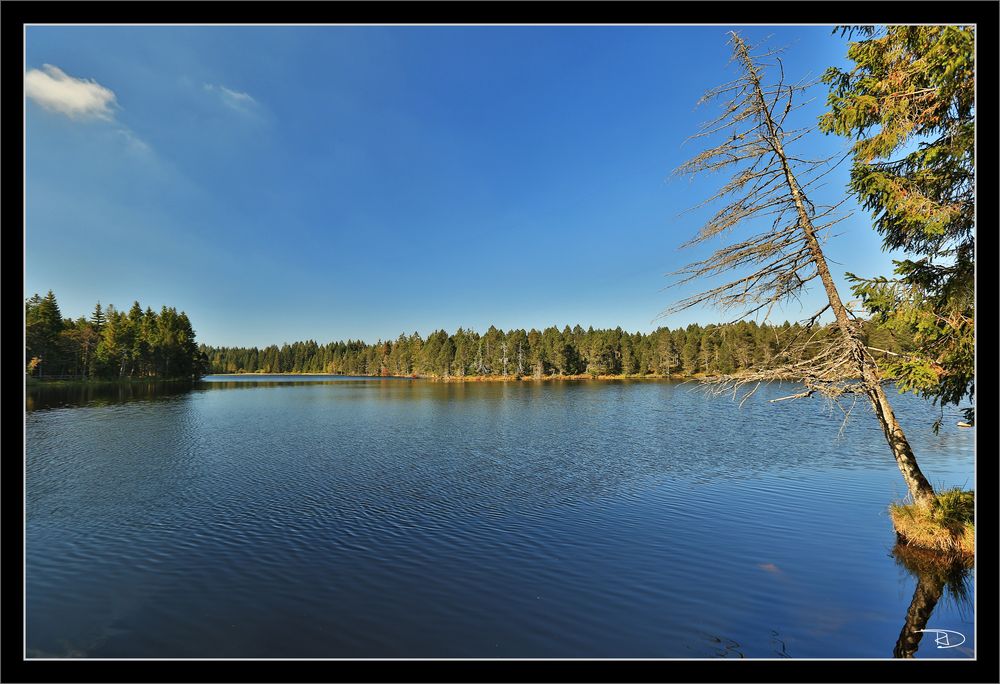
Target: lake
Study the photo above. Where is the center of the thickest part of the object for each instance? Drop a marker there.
(340, 517)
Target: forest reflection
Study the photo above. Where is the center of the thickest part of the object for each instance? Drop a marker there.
(58, 395)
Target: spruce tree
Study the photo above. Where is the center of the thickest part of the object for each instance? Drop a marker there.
(909, 101)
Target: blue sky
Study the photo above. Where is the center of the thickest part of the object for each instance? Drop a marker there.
(290, 183)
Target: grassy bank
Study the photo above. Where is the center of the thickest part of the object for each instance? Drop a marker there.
(947, 527)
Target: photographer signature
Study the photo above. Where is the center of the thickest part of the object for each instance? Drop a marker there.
(943, 638)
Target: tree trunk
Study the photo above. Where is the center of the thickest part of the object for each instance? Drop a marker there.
(925, 597)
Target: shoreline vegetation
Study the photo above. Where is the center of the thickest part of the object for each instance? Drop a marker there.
(947, 526)
(692, 351)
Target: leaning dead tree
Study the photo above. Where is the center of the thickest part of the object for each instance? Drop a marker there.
(767, 191)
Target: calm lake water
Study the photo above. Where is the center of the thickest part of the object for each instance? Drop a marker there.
(340, 517)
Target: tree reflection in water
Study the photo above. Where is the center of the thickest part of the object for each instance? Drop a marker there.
(934, 574)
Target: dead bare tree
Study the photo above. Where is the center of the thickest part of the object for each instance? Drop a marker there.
(480, 366)
(768, 182)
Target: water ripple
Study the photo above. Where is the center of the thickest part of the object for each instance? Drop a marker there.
(407, 519)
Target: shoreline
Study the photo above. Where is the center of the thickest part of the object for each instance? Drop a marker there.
(475, 378)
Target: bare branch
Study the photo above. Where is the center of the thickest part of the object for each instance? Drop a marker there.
(816, 315)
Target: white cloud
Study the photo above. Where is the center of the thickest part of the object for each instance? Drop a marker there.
(233, 98)
(77, 98)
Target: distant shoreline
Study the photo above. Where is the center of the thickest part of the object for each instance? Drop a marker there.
(475, 378)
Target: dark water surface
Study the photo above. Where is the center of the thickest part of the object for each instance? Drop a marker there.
(338, 517)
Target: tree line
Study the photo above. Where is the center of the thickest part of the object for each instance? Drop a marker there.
(695, 349)
(111, 344)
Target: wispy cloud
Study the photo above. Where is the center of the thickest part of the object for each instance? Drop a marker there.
(242, 102)
(76, 98)
(133, 142)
